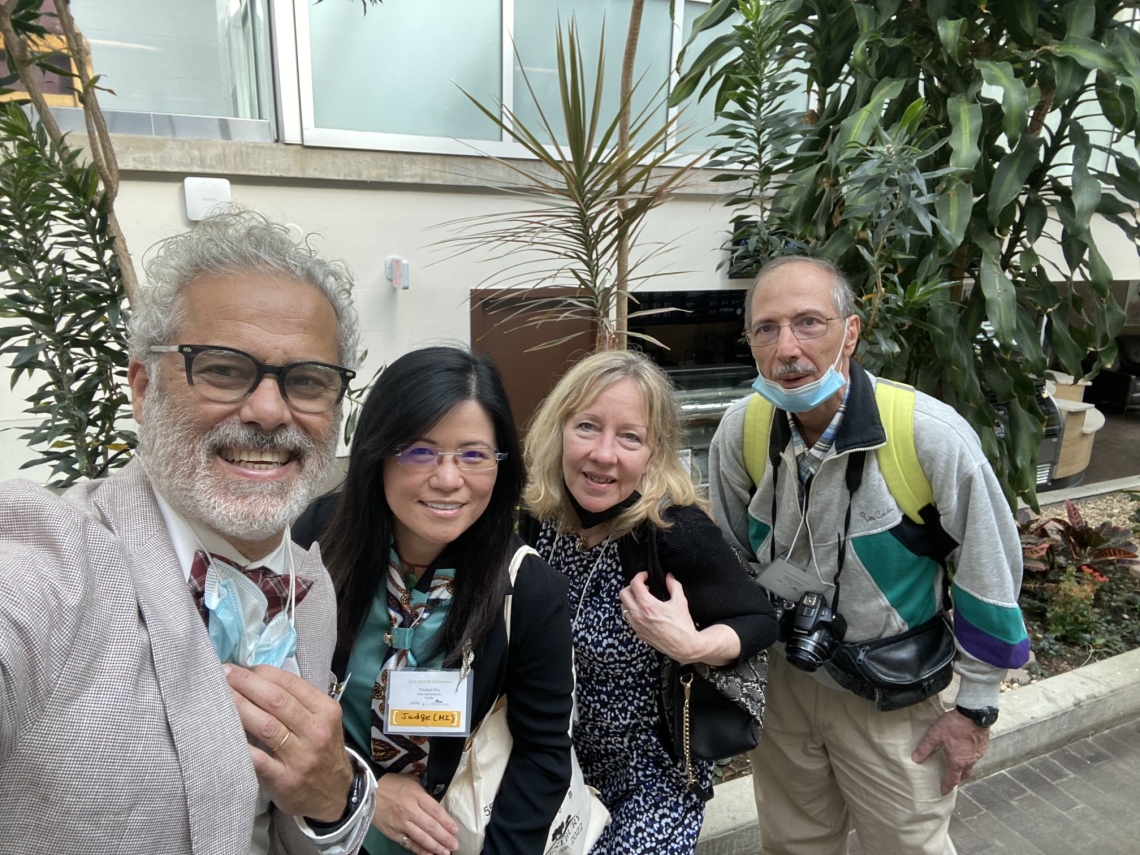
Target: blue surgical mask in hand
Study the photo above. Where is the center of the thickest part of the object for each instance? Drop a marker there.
(237, 625)
(802, 398)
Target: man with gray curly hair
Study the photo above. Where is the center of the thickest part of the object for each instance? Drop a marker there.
(164, 648)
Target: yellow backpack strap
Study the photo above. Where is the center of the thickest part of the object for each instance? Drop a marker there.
(898, 459)
(757, 426)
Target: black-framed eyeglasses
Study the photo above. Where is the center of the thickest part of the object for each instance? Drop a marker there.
(804, 328)
(225, 375)
(476, 458)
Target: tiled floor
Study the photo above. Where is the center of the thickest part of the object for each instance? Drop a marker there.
(1115, 453)
(1083, 799)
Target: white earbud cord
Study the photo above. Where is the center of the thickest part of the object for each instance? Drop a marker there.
(811, 547)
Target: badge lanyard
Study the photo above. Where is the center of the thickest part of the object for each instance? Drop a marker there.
(423, 701)
(853, 480)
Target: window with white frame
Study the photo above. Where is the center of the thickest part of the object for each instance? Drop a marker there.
(171, 58)
(394, 77)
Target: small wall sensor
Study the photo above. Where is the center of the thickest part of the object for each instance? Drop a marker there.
(203, 195)
(398, 271)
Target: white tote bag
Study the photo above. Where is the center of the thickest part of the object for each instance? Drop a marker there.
(471, 797)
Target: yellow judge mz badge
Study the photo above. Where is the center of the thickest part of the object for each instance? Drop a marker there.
(428, 702)
(425, 718)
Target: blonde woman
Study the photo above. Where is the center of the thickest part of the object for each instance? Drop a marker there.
(606, 486)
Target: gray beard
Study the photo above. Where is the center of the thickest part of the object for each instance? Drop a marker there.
(179, 457)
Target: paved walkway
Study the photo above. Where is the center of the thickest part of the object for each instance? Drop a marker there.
(1083, 799)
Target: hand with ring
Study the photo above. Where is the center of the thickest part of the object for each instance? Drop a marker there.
(406, 814)
(667, 626)
(298, 749)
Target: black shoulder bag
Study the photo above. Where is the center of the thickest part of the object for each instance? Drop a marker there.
(700, 722)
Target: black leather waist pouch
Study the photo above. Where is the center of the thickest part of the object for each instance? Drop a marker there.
(899, 671)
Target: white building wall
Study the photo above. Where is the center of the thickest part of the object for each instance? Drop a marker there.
(364, 224)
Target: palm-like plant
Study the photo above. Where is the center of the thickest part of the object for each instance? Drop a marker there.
(61, 294)
(585, 195)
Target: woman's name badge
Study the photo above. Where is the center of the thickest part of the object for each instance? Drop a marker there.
(429, 702)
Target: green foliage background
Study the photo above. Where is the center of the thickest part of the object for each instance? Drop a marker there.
(944, 144)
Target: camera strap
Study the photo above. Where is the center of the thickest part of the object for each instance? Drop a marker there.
(854, 477)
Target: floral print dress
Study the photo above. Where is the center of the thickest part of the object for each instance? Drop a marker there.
(617, 726)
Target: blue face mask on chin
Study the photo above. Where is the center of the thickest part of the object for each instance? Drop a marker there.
(802, 398)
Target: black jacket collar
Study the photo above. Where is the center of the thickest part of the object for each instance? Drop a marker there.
(861, 427)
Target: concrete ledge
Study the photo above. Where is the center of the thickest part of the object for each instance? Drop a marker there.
(1083, 491)
(1034, 720)
(284, 163)
(730, 821)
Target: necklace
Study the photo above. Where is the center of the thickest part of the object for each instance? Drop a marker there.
(583, 545)
(589, 576)
(413, 572)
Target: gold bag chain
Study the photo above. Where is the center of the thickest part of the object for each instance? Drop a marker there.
(687, 683)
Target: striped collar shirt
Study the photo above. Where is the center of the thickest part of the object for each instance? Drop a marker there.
(809, 459)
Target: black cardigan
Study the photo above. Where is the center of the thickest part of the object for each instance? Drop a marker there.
(717, 586)
(537, 677)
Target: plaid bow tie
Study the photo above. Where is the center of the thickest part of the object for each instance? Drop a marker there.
(273, 585)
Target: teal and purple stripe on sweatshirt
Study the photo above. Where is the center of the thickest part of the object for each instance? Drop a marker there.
(993, 633)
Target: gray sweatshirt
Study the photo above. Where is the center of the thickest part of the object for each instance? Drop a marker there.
(887, 584)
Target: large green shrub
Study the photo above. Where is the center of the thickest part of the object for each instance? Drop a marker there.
(943, 146)
(61, 291)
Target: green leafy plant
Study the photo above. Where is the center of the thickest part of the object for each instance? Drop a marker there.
(586, 196)
(354, 399)
(1079, 580)
(67, 272)
(22, 24)
(943, 147)
(1071, 615)
(62, 292)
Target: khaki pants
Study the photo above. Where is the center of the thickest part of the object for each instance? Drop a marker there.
(829, 760)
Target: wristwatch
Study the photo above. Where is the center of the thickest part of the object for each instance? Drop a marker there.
(985, 717)
(356, 794)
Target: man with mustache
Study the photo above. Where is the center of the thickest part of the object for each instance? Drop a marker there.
(804, 484)
(164, 648)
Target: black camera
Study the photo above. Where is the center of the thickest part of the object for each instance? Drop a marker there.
(810, 630)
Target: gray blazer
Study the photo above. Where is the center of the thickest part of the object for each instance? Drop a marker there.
(118, 732)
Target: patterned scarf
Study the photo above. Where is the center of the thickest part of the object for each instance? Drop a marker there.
(396, 752)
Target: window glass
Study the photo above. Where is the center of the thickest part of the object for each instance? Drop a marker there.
(201, 58)
(398, 68)
(697, 119)
(535, 28)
